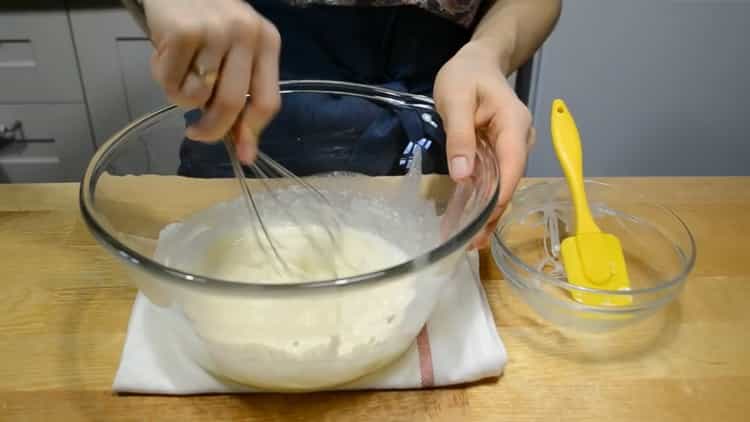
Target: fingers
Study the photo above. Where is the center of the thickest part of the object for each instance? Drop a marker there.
(189, 57)
(247, 142)
(171, 62)
(228, 99)
(216, 44)
(457, 110)
(194, 93)
(265, 99)
(512, 134)
(512, 144)
(206, 55)
(482, 240)
(531, 141)
(199, 83)
(451, 218)
(512, 152)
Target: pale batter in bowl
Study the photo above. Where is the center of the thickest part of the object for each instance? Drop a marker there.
(295, 342)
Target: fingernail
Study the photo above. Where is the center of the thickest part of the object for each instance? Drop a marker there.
(459, 167)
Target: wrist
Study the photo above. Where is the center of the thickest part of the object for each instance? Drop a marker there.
(497, 50)
(498, 36)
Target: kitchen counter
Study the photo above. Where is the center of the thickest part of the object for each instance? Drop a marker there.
(65, 304)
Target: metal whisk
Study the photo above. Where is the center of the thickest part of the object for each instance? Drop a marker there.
(323, 214)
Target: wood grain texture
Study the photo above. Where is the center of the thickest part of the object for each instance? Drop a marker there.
(65, 304)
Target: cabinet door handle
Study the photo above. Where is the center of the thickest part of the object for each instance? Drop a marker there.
(13, 133)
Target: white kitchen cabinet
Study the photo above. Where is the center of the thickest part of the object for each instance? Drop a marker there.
(44, 127)
(114, 57)
(50, 143)
(658, 87)
(37, 59)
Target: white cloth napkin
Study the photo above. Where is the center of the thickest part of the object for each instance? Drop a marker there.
(459, 344)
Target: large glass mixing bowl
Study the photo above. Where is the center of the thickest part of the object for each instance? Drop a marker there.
(155, 201)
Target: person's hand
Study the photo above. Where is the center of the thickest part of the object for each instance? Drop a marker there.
(209, 54)
(474, 99)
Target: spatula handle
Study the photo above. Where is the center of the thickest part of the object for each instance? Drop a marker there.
(567, 143)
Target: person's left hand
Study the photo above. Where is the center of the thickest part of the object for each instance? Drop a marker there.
(473, 96)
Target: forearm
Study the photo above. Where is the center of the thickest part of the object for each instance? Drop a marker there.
(514, 29)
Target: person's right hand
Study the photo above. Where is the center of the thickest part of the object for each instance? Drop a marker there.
(209, 54)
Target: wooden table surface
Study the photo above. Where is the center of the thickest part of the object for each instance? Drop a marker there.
(65, 303)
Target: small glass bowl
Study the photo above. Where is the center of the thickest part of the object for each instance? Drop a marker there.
(659, 252)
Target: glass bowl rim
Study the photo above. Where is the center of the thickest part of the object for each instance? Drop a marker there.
(498, 245)
(386, 95)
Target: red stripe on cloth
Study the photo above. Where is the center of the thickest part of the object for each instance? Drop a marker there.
(425, 358)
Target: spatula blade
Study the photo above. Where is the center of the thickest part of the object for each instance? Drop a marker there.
(596, 261)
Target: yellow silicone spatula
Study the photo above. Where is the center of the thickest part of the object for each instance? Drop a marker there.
(591, 258)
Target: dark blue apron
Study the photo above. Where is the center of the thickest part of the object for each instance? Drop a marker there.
(401, 48)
